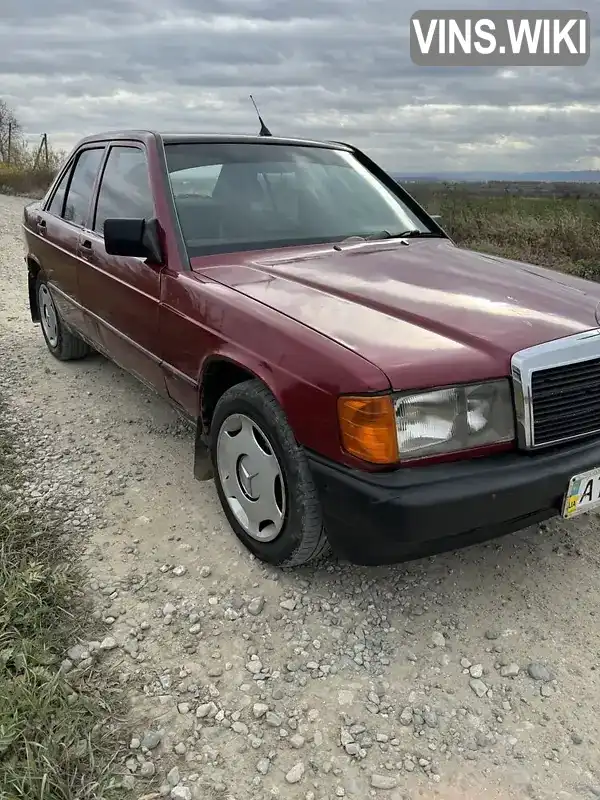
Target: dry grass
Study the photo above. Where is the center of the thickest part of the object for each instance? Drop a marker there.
(56, 732)
(25, 181)
(561, 233)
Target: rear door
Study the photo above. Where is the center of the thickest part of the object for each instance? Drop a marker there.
(121, 294)
(58, 227)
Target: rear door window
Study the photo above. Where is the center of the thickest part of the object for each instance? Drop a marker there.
(79, 194)
(58, 199)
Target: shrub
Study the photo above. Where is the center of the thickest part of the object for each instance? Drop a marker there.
(25, 180)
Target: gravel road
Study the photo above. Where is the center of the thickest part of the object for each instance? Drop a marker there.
(472, 675)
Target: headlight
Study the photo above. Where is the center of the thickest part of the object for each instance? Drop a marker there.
(454, 419)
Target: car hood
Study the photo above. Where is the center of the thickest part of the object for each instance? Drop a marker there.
(425, 313)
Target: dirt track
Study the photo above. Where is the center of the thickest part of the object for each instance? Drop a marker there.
(361, 676)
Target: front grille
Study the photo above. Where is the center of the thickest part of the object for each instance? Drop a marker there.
(565, 401)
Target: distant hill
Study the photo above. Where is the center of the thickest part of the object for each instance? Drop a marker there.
(556, 176)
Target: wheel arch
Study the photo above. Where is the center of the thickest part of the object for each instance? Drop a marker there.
(219, 373)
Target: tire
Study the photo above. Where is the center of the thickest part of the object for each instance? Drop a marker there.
(61, 342)
(250, 407)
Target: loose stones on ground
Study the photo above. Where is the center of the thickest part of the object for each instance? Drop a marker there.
(539, 672)
(351, 654)
(151, 739)
(383, 781)
(296, 773)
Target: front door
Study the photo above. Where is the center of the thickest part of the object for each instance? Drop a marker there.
(121, 294)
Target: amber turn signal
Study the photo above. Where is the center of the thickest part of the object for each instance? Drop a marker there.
(368, 428)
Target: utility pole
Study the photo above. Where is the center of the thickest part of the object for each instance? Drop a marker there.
(43, 146)
(9, 141)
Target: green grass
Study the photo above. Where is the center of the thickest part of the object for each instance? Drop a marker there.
(560, 233)
(56, 732)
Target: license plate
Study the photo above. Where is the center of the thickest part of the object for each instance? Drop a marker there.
(583, 494)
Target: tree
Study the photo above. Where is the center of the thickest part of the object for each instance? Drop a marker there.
(15, 149)
(11, 134)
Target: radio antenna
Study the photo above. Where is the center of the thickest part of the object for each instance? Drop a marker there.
(264, 131)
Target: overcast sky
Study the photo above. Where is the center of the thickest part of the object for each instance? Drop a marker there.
(318, 68)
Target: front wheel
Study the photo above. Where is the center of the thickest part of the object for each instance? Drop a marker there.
(64, 345)
(263, 479)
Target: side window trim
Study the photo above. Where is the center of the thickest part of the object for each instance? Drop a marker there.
(100, 177)
(95, 189)
(71, 166)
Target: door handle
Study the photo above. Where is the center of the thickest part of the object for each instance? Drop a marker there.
(41, 225)
(85, 249)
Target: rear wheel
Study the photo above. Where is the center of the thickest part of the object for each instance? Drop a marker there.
(263, 479)
(62, 343)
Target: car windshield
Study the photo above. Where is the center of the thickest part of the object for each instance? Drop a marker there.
(248, 196)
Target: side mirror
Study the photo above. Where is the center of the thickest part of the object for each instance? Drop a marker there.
(137, 238)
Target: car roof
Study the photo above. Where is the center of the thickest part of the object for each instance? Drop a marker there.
(212, 138)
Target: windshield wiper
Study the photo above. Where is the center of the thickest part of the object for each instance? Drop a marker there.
(385, 234)
(413, 233)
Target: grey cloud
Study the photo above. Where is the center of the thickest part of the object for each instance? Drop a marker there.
(327, 68)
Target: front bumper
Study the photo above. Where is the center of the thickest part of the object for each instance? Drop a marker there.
(385, 518)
